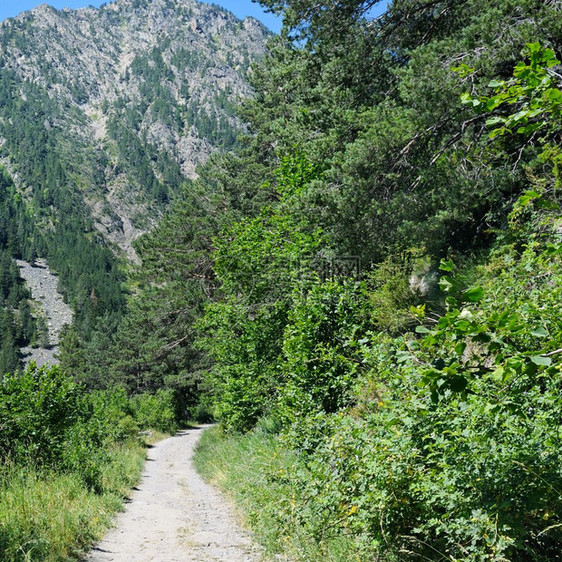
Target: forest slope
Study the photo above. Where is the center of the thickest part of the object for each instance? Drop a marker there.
(104, 116)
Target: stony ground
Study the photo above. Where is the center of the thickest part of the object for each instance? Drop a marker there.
(174, 516)
(43, 285)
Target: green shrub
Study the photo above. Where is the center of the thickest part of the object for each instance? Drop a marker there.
(112, 409)
(156, 411)
(320, 347)
(85, 452)
(391, 294)
(67, 458)
(453, 449)
(467, 478)
(37, 408)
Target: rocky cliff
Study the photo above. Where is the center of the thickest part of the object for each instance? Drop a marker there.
(113, 108)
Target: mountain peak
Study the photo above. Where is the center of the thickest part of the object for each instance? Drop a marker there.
(136, 94)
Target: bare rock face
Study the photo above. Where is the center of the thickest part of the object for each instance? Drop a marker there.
(136, 93)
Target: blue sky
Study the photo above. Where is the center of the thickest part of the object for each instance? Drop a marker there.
(241, 8)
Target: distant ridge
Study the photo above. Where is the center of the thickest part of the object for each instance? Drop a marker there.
(128, 99)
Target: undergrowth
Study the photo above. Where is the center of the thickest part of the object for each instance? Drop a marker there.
(446, 442)
(50, 516)
(68, 459)
(255, 470)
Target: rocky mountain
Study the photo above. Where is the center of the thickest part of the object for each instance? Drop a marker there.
(104, 113)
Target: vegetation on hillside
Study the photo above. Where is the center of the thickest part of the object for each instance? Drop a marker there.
(18, 327)
(95, 148)
(365, 292)
(419, 405)
(52, 220)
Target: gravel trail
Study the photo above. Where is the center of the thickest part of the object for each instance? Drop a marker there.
(174, 516)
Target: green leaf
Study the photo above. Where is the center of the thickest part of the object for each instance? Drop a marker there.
(528, 196)
(418, 311)
(451, 302)
(422, 330)
(497, 132)
(460, 347)
(541, 360)
(493, 103)
(473, 295)
(463, 70)
(448, 284)
(553, 248)
(403, 356)
(540, 332)
(446, 265)
(494, 121)
(553, 95)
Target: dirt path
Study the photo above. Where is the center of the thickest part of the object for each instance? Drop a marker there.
(174, 516)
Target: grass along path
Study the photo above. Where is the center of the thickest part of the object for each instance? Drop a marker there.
(174, 516)
(258, 472)
(51, 517)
